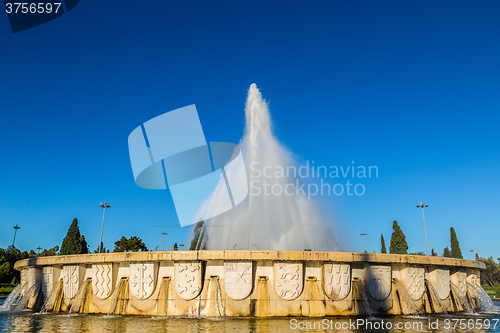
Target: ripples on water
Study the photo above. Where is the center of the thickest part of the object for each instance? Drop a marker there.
(28, 322)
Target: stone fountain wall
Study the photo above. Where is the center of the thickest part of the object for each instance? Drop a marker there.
(251, 283)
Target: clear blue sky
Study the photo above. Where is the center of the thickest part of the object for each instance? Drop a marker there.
(411, 87)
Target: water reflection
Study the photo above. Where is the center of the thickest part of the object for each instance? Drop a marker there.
(27, 322)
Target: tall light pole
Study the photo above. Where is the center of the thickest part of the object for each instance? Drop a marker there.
(472, 251)
(163, 245)
(181, 245)
(16, 227)
(364, 234)
(102, 205)
(39, 248)
(422, 205)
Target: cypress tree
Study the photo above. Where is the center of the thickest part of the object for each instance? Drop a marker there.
(199, 235)
(383, 250)
(74, 243)
(398, 240)
(455, 247)
(446, 252)
(433, 253)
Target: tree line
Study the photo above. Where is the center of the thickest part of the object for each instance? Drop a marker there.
(398, 244)
(73, 243)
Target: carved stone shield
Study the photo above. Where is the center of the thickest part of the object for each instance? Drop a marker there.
(71, 280)
(380, 281)
(142, 279)
(288, 280)
(443, 282)
(238, 279)
(337, 279)
(415, 282)
(188, 279)
(102, 280)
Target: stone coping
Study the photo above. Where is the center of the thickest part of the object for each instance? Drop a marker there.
(348, 257)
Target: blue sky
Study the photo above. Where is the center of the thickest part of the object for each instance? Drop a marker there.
(411, 87)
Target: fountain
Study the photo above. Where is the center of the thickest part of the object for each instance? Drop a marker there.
(269, 222)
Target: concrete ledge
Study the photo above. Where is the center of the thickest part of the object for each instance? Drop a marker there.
(348, 257)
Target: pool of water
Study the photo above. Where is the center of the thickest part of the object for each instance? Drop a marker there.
(28, 322)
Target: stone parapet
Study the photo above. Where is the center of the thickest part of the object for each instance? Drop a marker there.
(253, 283)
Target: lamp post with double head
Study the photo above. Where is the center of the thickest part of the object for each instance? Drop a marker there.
(16, 228)
(163, 245)
(104, 206)
(364, 234)
(422, 205)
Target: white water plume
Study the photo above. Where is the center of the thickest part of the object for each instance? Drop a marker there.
(268, 222)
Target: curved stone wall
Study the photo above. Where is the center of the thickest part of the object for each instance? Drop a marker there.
(253, 283)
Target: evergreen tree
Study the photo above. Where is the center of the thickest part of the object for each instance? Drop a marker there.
(446, 252)
(74, 243)
(398, 240)
(199, 236)
(433, 253)
(176, 247)
(103, 249)
(491, 275)
(132, 244)
(50, 252)
(383, 250)
(455, 247)
(85, 246)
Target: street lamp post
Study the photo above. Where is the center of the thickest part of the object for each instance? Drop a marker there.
(16, 227)
(472, 251)
(104, 206)
(364, 234)
(39, 248)
(422, 205)
(163, 245)
(181, 245)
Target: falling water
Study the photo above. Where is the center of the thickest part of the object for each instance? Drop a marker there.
(13, 299)
(119, 298)
(487, 305)
(214, 306)
(406, 303)
(434, 298)
(80, 298)
(461, 298)
(366, 304)
(54, 297)
(32, 292)
(274, 221)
